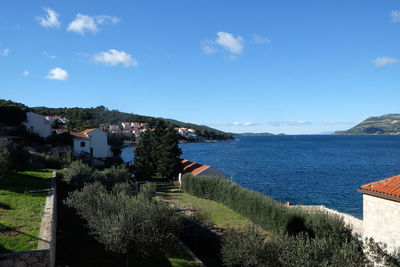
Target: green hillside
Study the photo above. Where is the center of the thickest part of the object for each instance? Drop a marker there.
(85, 118)
(387, 124)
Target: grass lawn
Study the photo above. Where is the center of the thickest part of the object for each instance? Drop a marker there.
(21, 211)
(219, 214)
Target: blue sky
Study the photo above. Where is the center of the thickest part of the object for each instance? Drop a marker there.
(297, 67)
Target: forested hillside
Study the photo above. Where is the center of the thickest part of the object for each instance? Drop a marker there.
(85, 118)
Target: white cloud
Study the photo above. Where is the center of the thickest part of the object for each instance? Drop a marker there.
(395, 15)
(383, 61)
(260, 39)
(57, 74)
(84, 23)
(50, 20)
(50, 56)
(208, 47)
(230, 43)
(246, 124)
(25, 73)
(5, 52)
(289, 123)
(104, 19)
(114, 57)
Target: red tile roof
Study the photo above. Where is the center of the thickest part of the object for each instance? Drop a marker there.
(88, 131)
(192, 167)
(83, 134)
(80, 135)
(389, 186)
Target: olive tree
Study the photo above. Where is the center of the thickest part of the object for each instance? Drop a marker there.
(123, 222)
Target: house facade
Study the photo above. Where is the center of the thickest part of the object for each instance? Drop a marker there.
(38, 124)
(93, 142)
(381, 211)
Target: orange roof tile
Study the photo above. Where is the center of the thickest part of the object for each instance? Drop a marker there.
(192, 167)
(389, 186)
(80, 135)
(88, 131)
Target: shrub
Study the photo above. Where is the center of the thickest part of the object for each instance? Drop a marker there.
(146, 191)
(247, 248)
(115, 174)
(5, 159)
(78, 174)
(12, 157)
(320, 233)
(124, 223)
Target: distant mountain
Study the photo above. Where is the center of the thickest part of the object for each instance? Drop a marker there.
(387, 124)
(252, 134)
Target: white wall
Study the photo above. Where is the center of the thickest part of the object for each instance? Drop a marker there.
(98, 141)
(77, 146)
(37, 124)
(382, 220)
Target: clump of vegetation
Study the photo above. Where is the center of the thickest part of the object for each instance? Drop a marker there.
(158, 152)
(79, 173)
(247, 248)
(123, 222)
(12, 157)
(310, 237)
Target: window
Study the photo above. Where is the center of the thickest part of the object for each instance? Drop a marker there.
(83, 144)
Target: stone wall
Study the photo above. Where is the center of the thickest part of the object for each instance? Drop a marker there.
(44, 256)
(381, 220)
(33, 258)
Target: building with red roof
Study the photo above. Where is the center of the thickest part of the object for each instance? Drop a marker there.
(93, 142)
(199, 169)
(381, 211)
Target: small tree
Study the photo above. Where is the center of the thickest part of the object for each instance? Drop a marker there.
(5, 159)
(78, 174)
(124, 223)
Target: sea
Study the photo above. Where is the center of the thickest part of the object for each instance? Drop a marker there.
(302, 169)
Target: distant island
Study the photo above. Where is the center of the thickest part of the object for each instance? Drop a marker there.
(388, 124)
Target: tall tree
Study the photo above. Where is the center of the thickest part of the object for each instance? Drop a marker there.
(169, 164)
(144, 163)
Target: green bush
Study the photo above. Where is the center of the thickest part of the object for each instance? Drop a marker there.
(12, 157)
(147, 191)
(115, 174)
(247, 248)
(78, 174)
(124, 223)
(5, 159)
(263, 210)
(322, 233)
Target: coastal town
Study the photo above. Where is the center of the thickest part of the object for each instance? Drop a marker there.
(199, 133)
(38, 143)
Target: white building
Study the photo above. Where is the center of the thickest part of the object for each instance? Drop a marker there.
(93, 142)
(381, 211)
(36, 123)
(114, 127)
(126, 125)
(57, 118)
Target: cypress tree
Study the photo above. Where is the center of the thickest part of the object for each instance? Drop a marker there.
(169, 164)
(144, 163)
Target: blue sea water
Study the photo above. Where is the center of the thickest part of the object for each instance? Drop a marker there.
(303, 169)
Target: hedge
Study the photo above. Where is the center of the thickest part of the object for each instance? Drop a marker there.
(265, 211)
